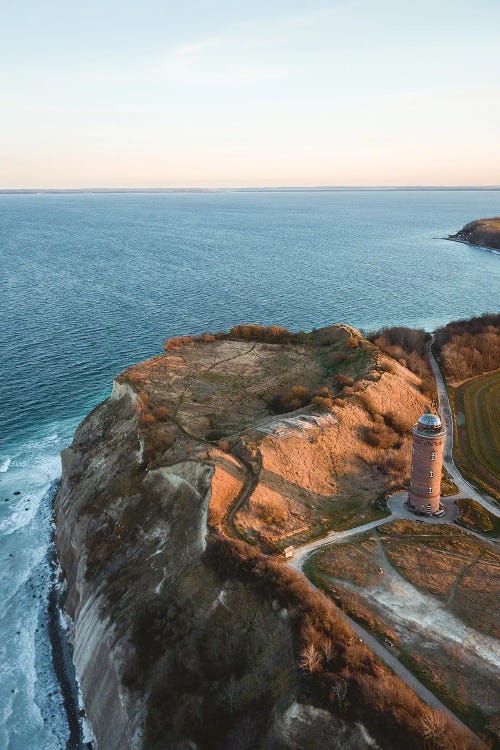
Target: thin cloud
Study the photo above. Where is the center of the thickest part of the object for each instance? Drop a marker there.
(244, 53)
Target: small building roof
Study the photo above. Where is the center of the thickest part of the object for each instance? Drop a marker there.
(430, 420)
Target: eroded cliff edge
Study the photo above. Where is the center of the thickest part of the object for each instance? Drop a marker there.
(186, 635)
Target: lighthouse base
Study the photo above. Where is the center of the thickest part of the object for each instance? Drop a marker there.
(424, 506)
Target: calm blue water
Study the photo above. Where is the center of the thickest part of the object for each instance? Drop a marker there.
(92, 283)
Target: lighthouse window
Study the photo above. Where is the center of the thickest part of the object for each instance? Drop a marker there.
(431, 473)
(433, 456)
(429, 490)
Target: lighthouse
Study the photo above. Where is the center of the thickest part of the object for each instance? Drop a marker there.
(429, 435)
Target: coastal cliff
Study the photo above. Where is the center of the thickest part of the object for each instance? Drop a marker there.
(484, 232)
(178, 494)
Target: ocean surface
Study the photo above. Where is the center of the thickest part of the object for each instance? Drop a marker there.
(91, 283)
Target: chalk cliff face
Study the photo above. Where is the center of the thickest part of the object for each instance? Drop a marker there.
(174, 647)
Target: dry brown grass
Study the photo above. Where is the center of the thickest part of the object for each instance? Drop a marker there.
(462, 571)
(442, 560)
(353, 604)
(325, 645)
(350, 562)
(227, 482)
(312, 479)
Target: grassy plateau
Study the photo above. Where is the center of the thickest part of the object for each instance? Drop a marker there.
(477, 409)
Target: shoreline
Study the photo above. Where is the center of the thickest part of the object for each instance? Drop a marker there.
(61, 651)
(451, 238)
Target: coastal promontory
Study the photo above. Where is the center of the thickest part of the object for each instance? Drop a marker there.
(484, 232)
(179, 497)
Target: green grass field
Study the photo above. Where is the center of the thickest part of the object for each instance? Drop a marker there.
(477, 408)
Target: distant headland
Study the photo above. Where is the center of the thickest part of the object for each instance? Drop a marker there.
(485, 232)
(250, 189)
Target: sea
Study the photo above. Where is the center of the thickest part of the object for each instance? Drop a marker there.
(90, 283)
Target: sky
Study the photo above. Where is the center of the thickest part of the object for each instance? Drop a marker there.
(154, 93)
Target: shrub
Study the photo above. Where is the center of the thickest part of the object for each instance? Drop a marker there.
(266, 334)
(398, 421)
(162, 413)
(474, 516)
(381, 435)
(161, 439)
(407, 339)
(342, 380)
(272, 510)
(336, 358)
(296, 397)
(325, 402)
(147, 419)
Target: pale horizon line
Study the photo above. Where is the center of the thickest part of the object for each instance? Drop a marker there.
(230, 189)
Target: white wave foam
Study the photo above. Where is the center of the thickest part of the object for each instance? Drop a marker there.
(32, 712)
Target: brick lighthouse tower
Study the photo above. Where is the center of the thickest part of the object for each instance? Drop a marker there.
(426, 464)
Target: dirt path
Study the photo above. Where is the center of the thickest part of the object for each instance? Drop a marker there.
(459, 578)
(466, 489)
(399, 669)
(252, 470)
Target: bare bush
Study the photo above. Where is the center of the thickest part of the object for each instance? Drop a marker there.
(310, 659)
(469, 347)
(433, 724)
(339, 691)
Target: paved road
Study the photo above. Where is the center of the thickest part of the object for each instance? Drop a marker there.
(396, 505)
(466, 489)
(302, 553)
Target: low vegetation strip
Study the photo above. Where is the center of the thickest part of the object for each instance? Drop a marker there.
(477, 405)
(473, 516)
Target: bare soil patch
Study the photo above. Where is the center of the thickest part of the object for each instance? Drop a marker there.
(439, 594)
